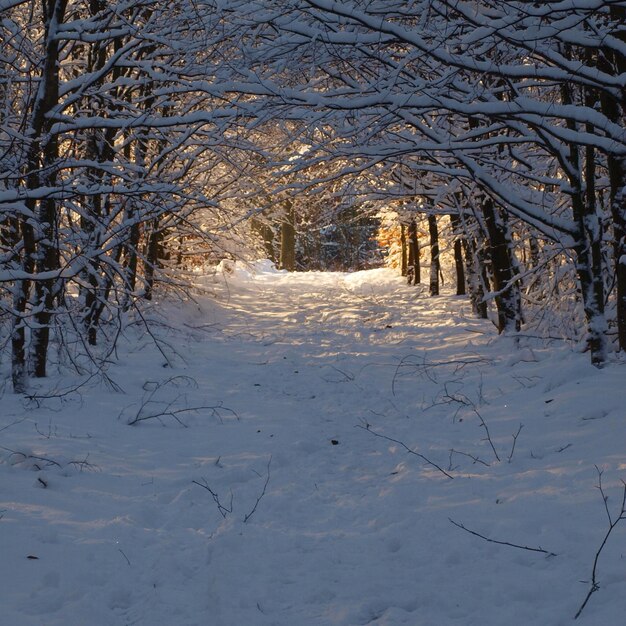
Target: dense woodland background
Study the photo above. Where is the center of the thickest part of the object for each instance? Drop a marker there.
(142, 141)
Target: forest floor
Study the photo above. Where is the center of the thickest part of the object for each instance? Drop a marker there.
(317, 449)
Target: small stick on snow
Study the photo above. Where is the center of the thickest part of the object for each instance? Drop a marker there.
(502, 543)
(400, 443)
(267, 480)
(515, 436)
(595, 585)
(220, 507)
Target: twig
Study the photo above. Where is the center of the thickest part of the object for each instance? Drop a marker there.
(72, 390)
(164, 409)
(595, 585)
(424, 367)
(17, 421)
(475, 459)
(400, 443)
(84, 464)
(224, 511)
(502, 543)
(484, 425)
(267, 480)
(127, 559)
(515, 436)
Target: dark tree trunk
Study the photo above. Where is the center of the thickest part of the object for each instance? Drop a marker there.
(589, 266)
(433, 231)
(266, 232)
(459, 246)
(153, 250)
(614, 63)
(403, 250)
(414, 272)
(477, 279)
(44, 152)
(507, 298)
(288, 239)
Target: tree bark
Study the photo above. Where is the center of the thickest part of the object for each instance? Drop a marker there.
(459, 246)
(614, 63)
(588, 248)
(414, 272)
(507, 298)
(433, 231)
(403, 250)
(44, 153)
(288, 239)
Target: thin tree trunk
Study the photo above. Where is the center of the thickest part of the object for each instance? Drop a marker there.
(433, 231)
(288, 239)
(403, 250)
(21, 291)
(414, 271)
(459, 263)
(153, 249)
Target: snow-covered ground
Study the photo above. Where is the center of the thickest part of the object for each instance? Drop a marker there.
(348, 433)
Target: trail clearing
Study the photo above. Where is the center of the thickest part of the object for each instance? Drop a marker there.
(314, 449)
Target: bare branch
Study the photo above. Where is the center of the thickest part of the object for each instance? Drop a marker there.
(267, 480)
(594, 584)
(515, 436)
(502, 543)
(224, 510)
(400, 443)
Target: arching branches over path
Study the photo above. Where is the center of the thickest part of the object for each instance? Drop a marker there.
(524, 100)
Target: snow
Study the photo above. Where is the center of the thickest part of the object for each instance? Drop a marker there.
(285, 500)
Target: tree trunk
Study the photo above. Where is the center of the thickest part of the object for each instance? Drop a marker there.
(477, 279)
(288, 239)
(614, 63)
(153, 249)
(414, 272)
(403, 250)
(44, 152)
(507, 298)
(434, 255)
(21, 291)
(588, 248)
(458, 255)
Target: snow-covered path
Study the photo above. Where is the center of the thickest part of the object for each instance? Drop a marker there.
(290, 497)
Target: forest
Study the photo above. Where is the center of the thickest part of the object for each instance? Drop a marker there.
(312, 312)
(140, 141)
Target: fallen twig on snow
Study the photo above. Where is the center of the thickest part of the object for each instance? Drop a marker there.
(224, 510)
(502, 543)
(515, 436)
(475, 459)
(595, 585)
(400, 443)
(267, 480)
(166, 408)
